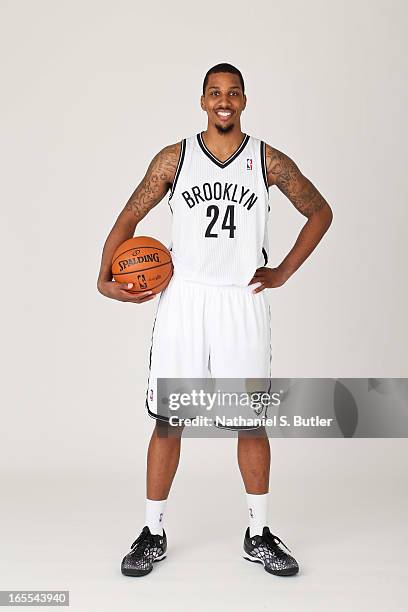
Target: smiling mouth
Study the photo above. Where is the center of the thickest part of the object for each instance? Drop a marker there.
(224, 115)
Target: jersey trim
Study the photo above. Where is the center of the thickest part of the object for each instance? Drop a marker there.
(263, 164)
(265, 254)
(230, 159)
(178, 169)
(264, 170)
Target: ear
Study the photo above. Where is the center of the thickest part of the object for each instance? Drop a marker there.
(245, 101)
(202, 103)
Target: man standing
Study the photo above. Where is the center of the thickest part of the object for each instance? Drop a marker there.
(213, 318)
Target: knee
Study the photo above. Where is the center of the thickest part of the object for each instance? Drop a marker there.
(165, 430)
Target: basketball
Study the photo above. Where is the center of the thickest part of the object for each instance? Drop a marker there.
(143, 261)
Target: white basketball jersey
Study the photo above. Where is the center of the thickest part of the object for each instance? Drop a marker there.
(220, 213)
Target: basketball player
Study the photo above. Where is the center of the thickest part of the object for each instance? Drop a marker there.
(213, 318)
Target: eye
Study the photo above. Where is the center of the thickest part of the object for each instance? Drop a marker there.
(234, 93)
(213, 93)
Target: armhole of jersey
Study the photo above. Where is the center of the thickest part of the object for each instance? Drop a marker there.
(263, 163)
(265, 254)
(264, 172)
(178, 169)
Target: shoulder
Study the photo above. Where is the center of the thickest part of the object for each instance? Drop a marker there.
(273, 156)
(171, 153)
(278, 165)
(166, 160)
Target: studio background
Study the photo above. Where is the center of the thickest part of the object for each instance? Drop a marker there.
(91, 91)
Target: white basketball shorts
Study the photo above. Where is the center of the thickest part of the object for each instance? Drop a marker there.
(208, 331)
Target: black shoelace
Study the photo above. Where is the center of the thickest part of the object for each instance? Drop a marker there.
(274, 542)
(145, 540)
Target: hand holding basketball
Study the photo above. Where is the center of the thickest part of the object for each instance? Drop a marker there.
(141, 268)
(121, 292)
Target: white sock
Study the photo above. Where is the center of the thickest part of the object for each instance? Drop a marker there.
(258, 513)
(154, 515)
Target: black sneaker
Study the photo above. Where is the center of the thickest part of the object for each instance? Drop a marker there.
(145, 550)
(265, 549)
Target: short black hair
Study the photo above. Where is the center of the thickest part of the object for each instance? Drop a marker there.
(223, 68)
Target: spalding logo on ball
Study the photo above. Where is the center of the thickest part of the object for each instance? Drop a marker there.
(143, 261)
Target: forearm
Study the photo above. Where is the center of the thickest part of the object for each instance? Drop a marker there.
(121, 231)
(309, 237)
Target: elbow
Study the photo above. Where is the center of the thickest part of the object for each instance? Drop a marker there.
(325, 216)
(329, 216)
(322, 217)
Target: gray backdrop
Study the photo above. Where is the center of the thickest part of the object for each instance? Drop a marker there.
(91, 90)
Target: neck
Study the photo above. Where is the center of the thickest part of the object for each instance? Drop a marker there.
(223, 142)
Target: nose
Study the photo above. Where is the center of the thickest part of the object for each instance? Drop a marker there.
(224, 101)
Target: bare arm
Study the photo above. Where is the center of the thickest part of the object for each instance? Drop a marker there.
(151, 190)
(284, 173)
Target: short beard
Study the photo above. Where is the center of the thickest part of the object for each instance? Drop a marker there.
(221, 129)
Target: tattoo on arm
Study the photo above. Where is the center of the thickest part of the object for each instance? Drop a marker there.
(156, 182)
(283, 172)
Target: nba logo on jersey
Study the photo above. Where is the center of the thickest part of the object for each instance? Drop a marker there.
(249, 164)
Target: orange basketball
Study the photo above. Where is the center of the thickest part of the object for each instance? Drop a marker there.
(143, 261)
